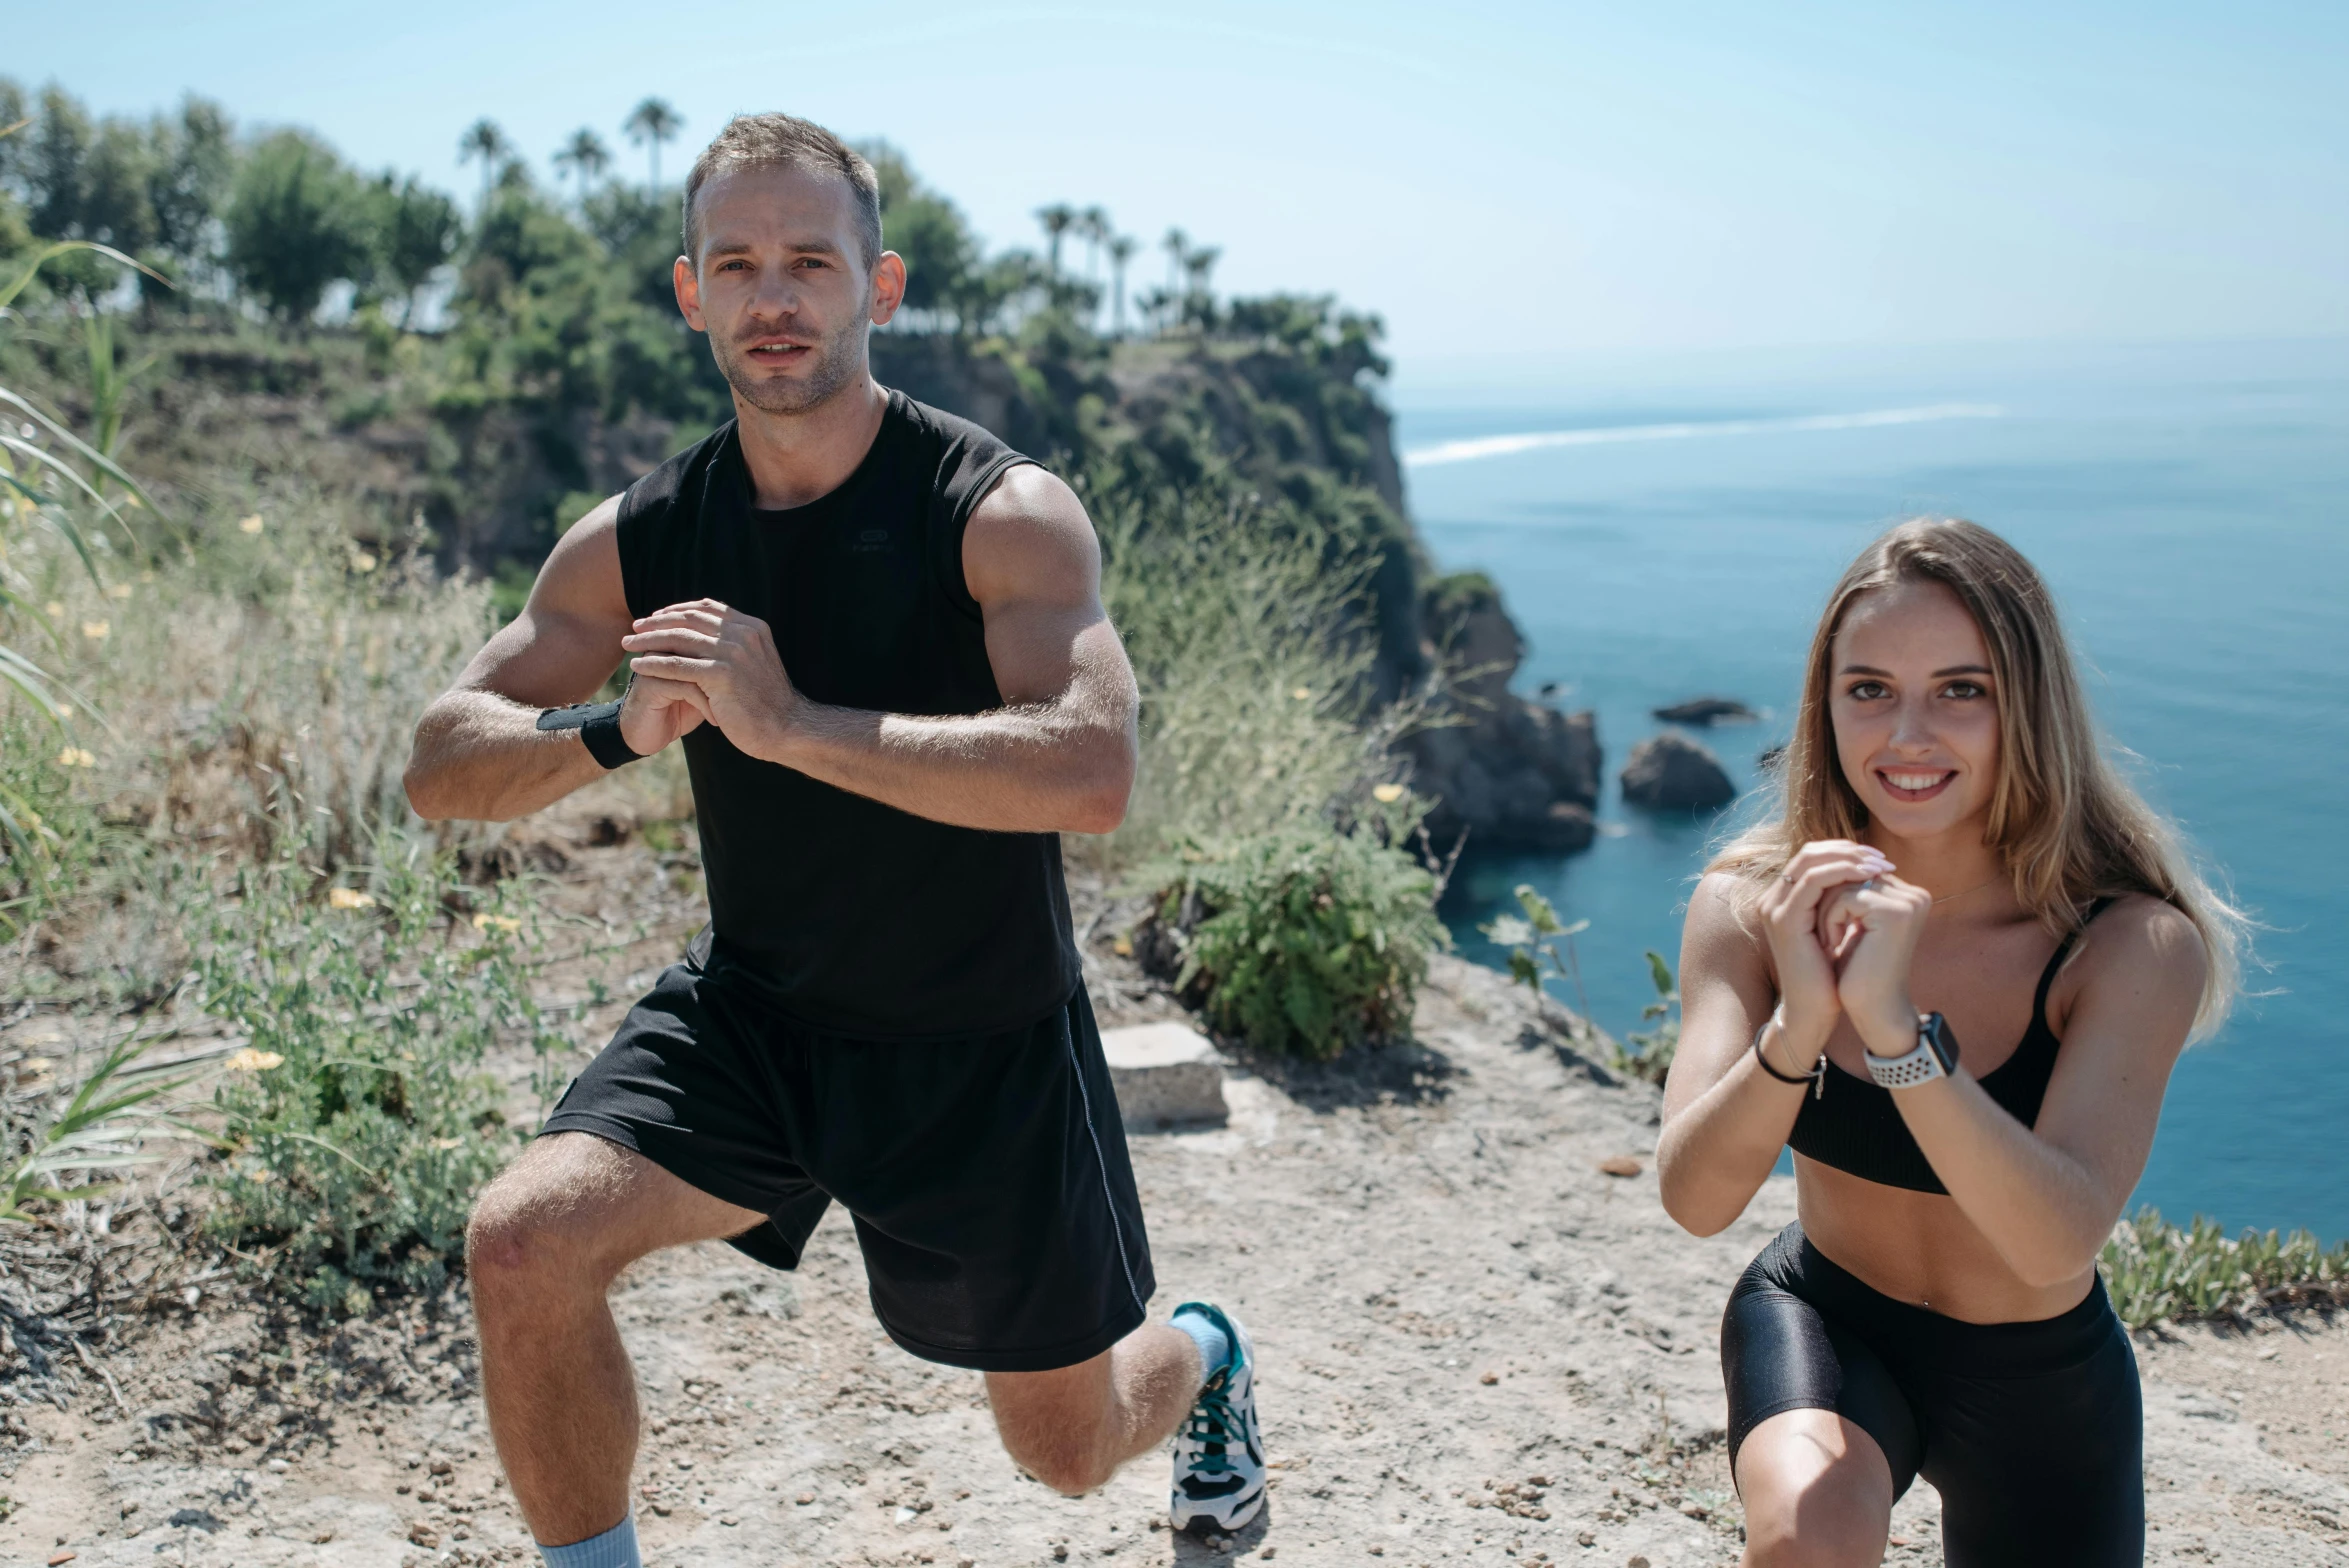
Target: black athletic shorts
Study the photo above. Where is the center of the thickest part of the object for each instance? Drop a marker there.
(2033, 1433)
(987, 1174)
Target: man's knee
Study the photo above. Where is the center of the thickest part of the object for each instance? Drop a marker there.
(531, 1230)
(1071, 1463)
(1054, 1425)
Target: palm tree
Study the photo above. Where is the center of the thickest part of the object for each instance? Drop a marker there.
(1057, 219)
(484, 141)
(651, 123)
(584, 155)
(1177, 245)
(1093, 224)
(1199, 300)
(1121, 251)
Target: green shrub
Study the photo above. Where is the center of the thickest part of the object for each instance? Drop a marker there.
(47, 832)
(1249, 627)
(1648, 1053)
(1303, 940)
(358, 1120)
(2155, 1270)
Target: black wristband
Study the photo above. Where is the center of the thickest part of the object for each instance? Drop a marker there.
(1816, 1078)
(598, 724)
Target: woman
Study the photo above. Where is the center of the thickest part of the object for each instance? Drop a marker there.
(1954, 862)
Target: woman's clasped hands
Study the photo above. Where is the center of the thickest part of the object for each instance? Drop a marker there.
(1842, 929)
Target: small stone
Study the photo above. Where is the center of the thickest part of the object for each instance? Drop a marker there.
(1537, 1480)
(442, 1467)
(322, 1537)
(804, 1498)
(1637, 1562)
(1586, 1538)
(60, 1557)
(278, 1466)
(1489, 1379)
(728, 1520)
(1619, 1165)
(424, 1535)
(1165, 1073)
(1695, 1510)
(1897, 1540)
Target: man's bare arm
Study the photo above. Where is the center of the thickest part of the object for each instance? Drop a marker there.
(479, 753)
(1059, 756)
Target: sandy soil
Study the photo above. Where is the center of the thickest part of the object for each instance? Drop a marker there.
(1476, 1347)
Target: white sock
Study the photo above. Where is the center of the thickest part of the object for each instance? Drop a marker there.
(1215, 1346)
(615, 1548)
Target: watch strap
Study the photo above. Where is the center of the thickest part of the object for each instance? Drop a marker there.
(1934, 1054)
(598, 724)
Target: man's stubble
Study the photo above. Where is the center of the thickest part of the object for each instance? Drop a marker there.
(838, 365)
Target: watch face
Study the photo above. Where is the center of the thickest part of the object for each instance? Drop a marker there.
(1934, 1030)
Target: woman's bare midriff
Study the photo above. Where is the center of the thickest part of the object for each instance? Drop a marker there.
(1920, 1248)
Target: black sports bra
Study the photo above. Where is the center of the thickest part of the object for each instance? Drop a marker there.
(1853, 1125)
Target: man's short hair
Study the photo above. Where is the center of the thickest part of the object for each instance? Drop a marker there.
(783, 141)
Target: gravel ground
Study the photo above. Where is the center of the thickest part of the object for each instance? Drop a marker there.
(1476, 1347)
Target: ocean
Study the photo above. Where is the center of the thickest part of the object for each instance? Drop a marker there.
(1666, 533)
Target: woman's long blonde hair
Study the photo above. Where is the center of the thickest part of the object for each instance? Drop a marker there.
(2069, 828)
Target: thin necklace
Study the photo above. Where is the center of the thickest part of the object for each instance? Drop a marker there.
(1976, 888)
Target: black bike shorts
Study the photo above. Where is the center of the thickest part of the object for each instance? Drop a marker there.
(2033, 1433)
(987, 1174)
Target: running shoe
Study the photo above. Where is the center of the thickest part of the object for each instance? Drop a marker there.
(1219, 1453)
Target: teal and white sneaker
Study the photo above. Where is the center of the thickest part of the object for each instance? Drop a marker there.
(1219, 1453)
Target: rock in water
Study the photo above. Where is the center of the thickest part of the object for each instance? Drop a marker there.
(1672, 773)
(1707, 710)
(1512, 773)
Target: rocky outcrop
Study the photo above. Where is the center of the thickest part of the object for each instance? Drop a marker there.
(1673, 773)
(1509, 772)
(1703, 711)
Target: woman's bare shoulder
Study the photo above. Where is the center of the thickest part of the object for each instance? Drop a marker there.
(2143, 945)
(1723, 932)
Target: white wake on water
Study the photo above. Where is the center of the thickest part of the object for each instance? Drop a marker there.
(1601, 435)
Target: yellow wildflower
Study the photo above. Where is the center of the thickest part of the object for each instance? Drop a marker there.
(249, 525)
(489, 922)
(65, 710)
(76, 757)
(1387, 794)
(446, 1144)
(95, 630)
(363, 560)
(349, 898)
(1303, 694)
(54, 610)
(119, 591)
(249, 1060)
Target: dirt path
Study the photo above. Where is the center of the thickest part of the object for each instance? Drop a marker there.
(1476, 1348)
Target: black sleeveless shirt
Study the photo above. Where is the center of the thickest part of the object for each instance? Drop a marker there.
(1852, 1124)
(851, 916)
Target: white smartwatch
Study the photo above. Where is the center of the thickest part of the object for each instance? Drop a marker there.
(1935, 1056)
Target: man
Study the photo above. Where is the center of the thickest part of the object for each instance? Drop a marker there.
(878, 634)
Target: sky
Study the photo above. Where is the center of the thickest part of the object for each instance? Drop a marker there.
(1514, 188)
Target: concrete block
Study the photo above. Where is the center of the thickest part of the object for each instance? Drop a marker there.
(1166, 1074)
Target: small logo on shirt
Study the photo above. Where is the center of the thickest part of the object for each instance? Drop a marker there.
(870, 541)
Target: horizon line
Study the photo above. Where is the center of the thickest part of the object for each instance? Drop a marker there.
(1481, 447)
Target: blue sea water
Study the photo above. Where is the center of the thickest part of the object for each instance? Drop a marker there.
(1675, 535)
